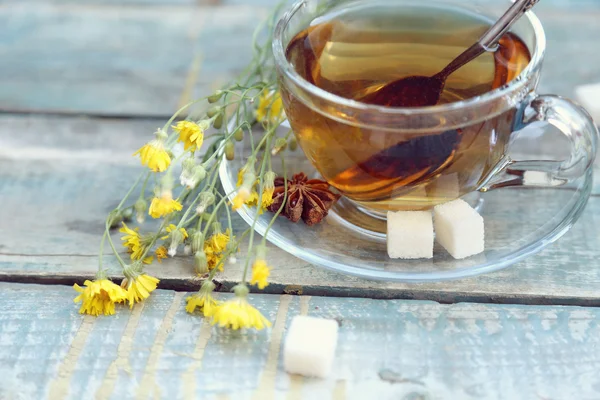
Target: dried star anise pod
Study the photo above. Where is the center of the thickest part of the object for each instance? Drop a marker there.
(309, 199)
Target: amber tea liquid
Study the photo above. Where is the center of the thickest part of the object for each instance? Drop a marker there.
(356, 52)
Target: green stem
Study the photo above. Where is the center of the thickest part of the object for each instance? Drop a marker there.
(258, 208)
(212, 215)
(224, 143)
(101, 252)
(112, 245)
(170, 121)
(280, 210)
(143, 192)
(129, 192)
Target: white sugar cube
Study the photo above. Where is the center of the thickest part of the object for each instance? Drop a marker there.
(309, 347)
(459, 229)
(589, 97)
(409, 234)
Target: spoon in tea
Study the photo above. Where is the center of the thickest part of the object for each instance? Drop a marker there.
(422, 91)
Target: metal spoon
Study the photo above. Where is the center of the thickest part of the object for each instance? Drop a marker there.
(422, 91)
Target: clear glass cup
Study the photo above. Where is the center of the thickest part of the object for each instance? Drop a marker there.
(491, 120)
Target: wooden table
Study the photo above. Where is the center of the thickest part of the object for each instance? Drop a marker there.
(84, 83)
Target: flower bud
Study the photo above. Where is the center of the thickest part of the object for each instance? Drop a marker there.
(293, 144)
(238, 135)
(269, 179)
(115, 217)
(204, 124)
(215, 97)
(193, 177)
(200, 263)
(127, 214)
(176, 239)
(280, 145)
(241, 290)
(261, 252)
(188, 164)
(161, 134)
(248, 179)
(229, 150)
(141, 209)
(232, 249)
(197, 242)
(218, 122)
(207, 286)
(213, 111)
(206, 200)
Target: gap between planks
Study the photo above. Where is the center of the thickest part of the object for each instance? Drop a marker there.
(440, 297)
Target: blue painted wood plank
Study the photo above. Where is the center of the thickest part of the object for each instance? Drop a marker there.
(122, 60)
(393, 348)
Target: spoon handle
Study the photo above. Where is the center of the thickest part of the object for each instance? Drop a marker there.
(490, 38)
(504, 23)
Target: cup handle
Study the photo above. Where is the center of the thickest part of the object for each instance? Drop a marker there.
(574, 122)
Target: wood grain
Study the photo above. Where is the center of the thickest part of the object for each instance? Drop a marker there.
(55, 191)
(118, 59)
(107, 57)
(395, 348)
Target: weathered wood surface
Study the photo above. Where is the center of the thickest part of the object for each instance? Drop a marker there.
(142, 57)
(60, 176)
(119, 59)
(397, 349)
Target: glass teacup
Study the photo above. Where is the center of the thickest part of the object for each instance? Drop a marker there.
(385, 158)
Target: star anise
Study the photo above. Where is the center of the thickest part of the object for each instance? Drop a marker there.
(309, 199)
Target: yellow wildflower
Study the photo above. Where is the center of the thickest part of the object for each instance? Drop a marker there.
(204, 301)
(133, 242)
(161, 253)
(171, 228)
(260, 273)
(163, 205)
(237, 313)
(240, 176)
(268, 189)
(99, 297)
(213, 257)
(219, 241)
(148, 260)
(138, 288)
(267, 198)
(270, 107)
(154, 156)
(252, 199)
(240, 198)
(190, 133)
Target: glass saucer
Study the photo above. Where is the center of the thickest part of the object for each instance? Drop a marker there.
(519, 222)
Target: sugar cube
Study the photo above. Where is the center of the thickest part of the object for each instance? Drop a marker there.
(589, 97)
(459, 229)
(410, 234)
(309, 347)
